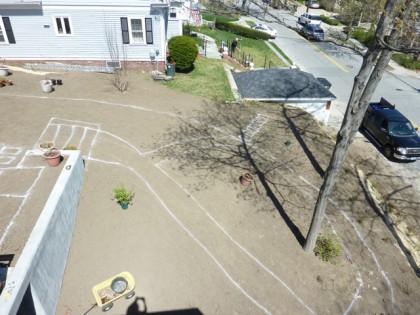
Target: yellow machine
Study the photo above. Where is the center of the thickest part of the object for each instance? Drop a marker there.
(121, 285)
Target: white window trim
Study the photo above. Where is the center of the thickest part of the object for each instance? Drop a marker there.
(143, 26)
(62, 16)
(3, 31)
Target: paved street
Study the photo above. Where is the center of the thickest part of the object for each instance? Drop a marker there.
(340, 65)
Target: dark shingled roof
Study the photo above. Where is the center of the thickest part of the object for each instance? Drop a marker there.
(281, 85)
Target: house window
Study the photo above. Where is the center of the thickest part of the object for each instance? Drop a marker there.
(6, 32)
(62, 25)
(137, 30)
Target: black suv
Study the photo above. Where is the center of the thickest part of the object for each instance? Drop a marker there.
(392, 131)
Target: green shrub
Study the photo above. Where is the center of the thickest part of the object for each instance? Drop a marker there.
(406, 61)
(241, 30)
(211, 17)
(329, 20)
(362, 35)
(183, 51)
(328, 247)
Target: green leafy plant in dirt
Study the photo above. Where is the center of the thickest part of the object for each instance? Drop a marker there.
(328, 247)
(122, 195)
(182, 51)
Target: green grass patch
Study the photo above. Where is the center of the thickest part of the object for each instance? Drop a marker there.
(281, 52)
(406, 60)
(211, 17)
(262, 56)
(330, 21)
(362, 35)
(207, 80)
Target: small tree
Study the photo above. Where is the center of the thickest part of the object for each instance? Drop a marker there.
(183, 51)
(121, 76)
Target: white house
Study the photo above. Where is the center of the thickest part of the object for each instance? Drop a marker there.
(86, 32)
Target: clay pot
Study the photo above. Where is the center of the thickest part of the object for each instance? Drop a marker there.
(46, 145)
(246, 179)
(53, 157)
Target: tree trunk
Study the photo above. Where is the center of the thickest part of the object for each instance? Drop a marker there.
(365, 84)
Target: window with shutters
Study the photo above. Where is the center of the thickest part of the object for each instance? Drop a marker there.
(136, 30)
(6, 31)
(62, 25)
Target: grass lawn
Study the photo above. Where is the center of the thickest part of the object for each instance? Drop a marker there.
(261, 54)
(208, 80)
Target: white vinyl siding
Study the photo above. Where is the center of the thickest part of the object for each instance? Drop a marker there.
(36, 37)
(62, 25)
(137, 30)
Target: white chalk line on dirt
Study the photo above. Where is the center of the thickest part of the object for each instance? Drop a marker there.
(28, 193)
(383, 273)
(137, 107)
(158, 165)
(359, 279)
(168, 210)
(73, 129)
(356, 296)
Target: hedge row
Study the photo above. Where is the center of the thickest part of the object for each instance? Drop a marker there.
(241, 30)
(211, 17)
(330, 21)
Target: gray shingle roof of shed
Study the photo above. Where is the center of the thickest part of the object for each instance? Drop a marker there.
(282, 85)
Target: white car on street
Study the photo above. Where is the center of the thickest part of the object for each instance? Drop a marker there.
(307, 18)
(267, 29)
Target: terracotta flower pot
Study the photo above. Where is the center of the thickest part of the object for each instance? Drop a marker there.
(46, 145)
(53, 157)
(246, 179)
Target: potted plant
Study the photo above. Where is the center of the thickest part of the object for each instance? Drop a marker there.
(4, 71)
(246, 179)
(46, 85)
(46, 145)
(123, 196)
(70, 147)
(53, 157)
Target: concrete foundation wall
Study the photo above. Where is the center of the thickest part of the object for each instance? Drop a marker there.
(318, 110)
(43, 259)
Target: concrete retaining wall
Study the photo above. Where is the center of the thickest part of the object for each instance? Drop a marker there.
(40, 268)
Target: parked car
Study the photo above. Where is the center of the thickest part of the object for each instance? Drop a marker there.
(392, 131)
(267, 29)
(307, 18)
(313, 4)
(313, 31)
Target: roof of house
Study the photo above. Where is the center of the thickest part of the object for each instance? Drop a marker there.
(281, 85)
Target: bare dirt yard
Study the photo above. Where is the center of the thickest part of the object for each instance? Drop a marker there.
(194, 238)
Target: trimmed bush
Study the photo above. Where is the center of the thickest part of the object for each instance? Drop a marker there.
(183, 51)
(329, 21)
(406, 60)
(241, 30)
(211, 17)
(362, 35)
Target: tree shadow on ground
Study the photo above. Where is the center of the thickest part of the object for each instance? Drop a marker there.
(225, 138)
